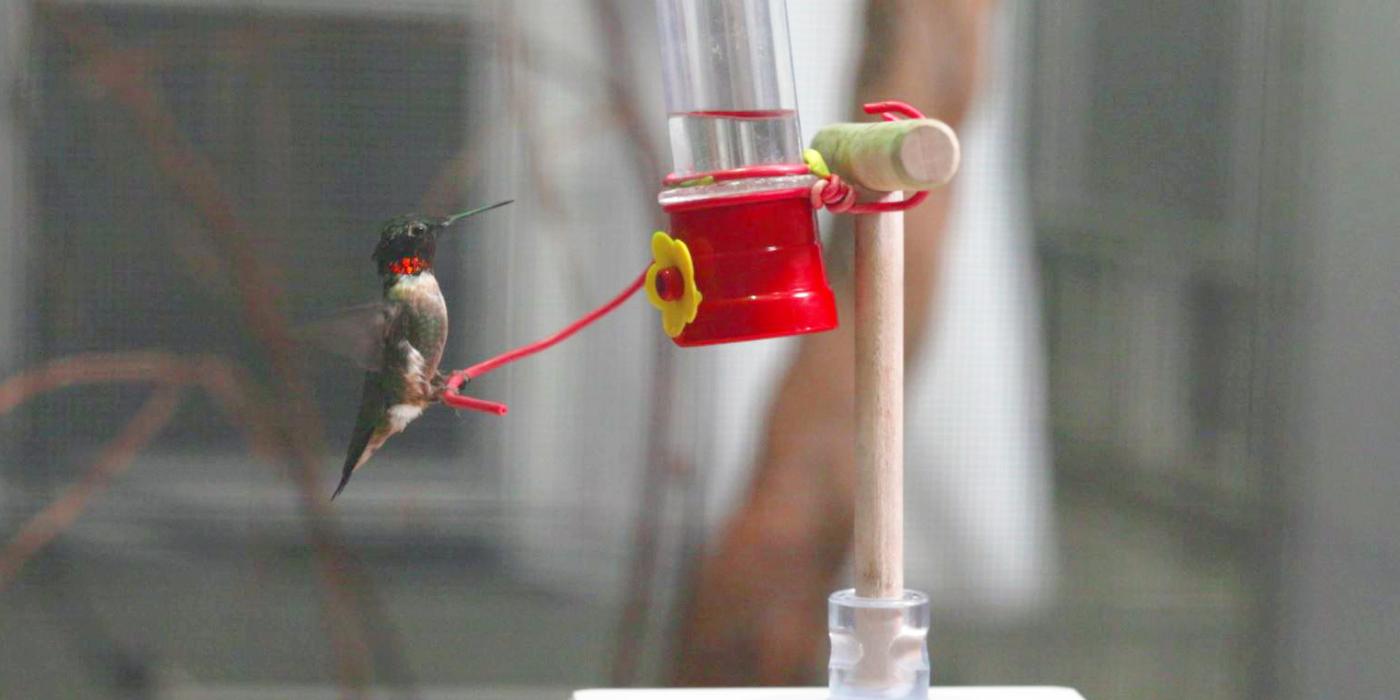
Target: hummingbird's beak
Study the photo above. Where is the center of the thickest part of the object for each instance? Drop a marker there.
(473, 212)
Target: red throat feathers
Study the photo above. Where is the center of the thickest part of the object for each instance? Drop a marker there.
(408, 265)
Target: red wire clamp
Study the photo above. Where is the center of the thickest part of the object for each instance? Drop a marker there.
(837, 195)
(451, 393)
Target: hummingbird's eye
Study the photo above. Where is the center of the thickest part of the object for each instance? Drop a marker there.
(417, 230)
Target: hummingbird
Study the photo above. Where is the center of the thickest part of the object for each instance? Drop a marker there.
(404, 334)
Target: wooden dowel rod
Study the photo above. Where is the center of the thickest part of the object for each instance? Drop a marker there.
(879, 330)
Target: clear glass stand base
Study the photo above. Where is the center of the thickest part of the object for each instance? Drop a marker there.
(879, 646)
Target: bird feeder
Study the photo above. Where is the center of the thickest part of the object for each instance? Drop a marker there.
(742, 259)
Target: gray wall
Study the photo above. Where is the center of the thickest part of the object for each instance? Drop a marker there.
(1342, 575)
(14, 21)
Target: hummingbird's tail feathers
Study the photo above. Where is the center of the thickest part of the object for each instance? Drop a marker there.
(473, 212)
(362, 445)
(353, 462)
(344, 479)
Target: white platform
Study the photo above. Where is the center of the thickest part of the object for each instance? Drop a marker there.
(955, 693)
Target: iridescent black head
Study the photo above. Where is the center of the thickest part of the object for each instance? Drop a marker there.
(408, 243)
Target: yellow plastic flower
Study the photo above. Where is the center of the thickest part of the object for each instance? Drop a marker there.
(671, 283)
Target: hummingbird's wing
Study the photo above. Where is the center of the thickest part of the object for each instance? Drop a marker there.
(387, 399)
(356, 333)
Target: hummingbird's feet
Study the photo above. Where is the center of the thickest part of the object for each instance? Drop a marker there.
(439, 386)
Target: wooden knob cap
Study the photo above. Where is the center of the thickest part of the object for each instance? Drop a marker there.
(911, 154)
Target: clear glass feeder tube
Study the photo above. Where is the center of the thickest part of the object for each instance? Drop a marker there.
(727, 66)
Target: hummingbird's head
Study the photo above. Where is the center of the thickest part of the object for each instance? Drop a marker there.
(408, 243)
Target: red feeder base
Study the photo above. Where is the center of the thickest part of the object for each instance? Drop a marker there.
(758, 266)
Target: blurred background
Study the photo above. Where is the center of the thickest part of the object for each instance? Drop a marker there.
(1153, 442)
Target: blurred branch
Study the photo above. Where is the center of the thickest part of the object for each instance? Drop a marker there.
(170, 374)
(645, 151)
(623, 95)
(113, 459)
(349, 605)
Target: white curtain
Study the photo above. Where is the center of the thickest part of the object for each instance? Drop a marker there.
(979, 530)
